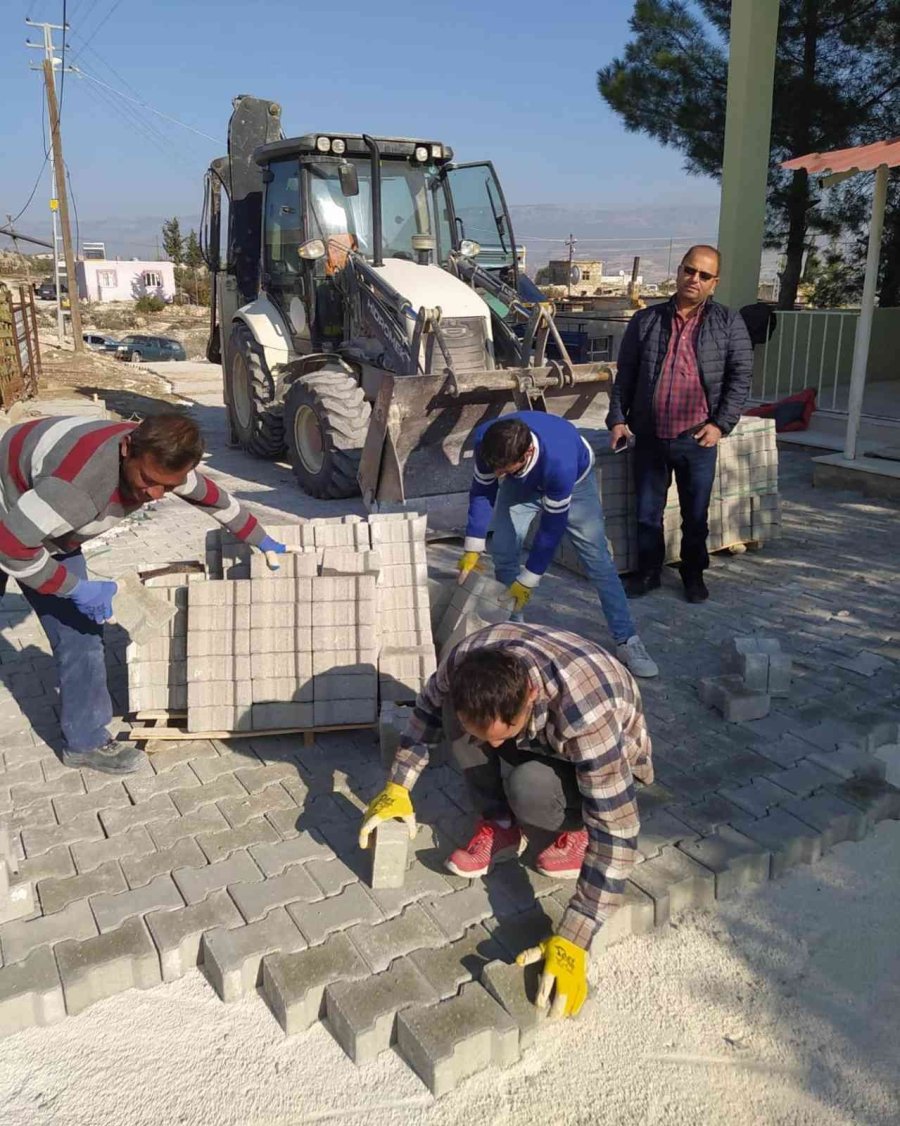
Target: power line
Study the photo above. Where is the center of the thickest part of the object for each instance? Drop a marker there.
(144, 105)
(62, 68)
(97, 28)
(33, 190)
(74, 208)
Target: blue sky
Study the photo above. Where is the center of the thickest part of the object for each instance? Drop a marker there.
(494, 79)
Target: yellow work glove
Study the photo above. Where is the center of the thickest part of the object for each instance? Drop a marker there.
(565, 965)
(393, 801)
(468, 562)
(520, 594)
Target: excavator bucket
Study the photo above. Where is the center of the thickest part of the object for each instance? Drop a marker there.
(419, 442)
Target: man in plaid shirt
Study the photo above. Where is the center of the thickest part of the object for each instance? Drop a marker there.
(549, 731)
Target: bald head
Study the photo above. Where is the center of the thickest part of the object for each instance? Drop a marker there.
(698, 276)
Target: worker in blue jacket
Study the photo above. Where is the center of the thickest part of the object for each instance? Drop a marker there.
(527, 463)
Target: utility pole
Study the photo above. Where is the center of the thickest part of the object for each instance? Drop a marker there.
(59, 206)
(669, 265)
(571, 245)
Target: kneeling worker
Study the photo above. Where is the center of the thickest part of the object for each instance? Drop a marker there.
(530, 462)
(548, 730)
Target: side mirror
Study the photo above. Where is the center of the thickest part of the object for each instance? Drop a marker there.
(312, 249)
(349, 179)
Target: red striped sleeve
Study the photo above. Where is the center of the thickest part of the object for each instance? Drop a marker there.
(211, 495)
(13, 548)
(246, 530)
(56, 580)
(85, 448)
(15, 453)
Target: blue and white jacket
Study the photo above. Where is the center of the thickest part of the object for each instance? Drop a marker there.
(561, 459)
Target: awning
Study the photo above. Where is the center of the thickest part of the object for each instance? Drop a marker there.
(862, 158)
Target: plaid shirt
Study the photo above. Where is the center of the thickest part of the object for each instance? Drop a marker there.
(679, 402)
(588, 711)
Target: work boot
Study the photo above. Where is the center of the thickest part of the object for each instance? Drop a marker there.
(563, 859)
(641, 583)
(491, 844)
(112, 758)
(694, 586)
(635, 658)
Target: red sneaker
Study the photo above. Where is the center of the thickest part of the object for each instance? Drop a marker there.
(563, 859)
(491, 844)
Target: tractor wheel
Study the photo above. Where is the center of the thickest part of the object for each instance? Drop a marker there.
(326, 418)
(255, 417)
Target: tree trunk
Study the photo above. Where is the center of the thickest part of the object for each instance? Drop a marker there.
(889, 291)
(796, 208)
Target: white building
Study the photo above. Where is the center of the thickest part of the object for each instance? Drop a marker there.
(124, 280)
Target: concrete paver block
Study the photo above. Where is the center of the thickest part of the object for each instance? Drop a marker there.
(225, 786)
(120, 819)
(449, 966)
(362, 1015)
(516, 989)
(84, 827)
(635, 915)
(675, 883)
(334, 713)
(195, 884)
(659, 829)
(528, 928)
(98, 967)
(206, 819)
(392, 721)
(789, 840)
(351, 907)
(804, 778)
(220, 845)
(728, 695)
(835, 819)
(271, 716)
(390, 854)
(757, 797)
(19, 938)
(57, 862)
(177, 934)
(141, 868)
(294, 886)
(877, 798)
(848, 761)
(738, 862)
(111, 911)
(232, 958)
(30, 993)
(456, 912)
(238, 811)
(274, 858)
(448, 1042)
(294, 984)
(780, 666)
(381, 943)
(55, 894)
(69, 806)
(331, 876)
(705, 816)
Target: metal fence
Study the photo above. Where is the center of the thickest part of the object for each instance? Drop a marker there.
(810, 348)
(20, 357)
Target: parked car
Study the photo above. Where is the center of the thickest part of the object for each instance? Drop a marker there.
(137, 348)
(98, 343)
(46, 291)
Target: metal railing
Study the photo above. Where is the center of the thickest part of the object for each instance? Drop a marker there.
(809, 348)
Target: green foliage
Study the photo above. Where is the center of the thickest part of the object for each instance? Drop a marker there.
(173, 243)
(192, 254)
(833, 279)
(148, 304)
(193, 284)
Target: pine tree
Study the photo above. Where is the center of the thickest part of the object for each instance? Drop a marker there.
(173, 243)
(192, 254)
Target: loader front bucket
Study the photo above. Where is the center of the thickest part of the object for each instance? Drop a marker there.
(419, 442)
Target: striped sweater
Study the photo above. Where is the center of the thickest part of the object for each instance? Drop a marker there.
(59, 486)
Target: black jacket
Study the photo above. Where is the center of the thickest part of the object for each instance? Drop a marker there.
(724, 357)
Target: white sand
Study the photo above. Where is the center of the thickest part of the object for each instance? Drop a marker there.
(783, 1007)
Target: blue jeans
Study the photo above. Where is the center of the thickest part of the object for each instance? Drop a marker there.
(516, 508)
(77, 644)
(694, 466)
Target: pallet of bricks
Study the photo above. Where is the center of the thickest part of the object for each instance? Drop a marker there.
(342, 624)
(744, 507)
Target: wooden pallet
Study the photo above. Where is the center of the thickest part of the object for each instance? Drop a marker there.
(164, 727)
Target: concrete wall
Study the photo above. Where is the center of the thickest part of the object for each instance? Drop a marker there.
(115, 280)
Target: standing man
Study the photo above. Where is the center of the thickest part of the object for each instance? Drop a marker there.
(548, 730)
(684, 370)
(62, 482)
(527, 463)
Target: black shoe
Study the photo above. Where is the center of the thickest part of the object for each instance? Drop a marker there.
(641, 583)
(694, 588)
(114, 758)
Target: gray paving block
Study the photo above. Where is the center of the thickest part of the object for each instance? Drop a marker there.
(421, 883)
(877, 798)
(757, 797)
(30, 993)
(789, 840)
(331, 876)
(195, 884)
(56, 862)
(381, 943)
(705, 816)
(118, 820)
(85, 827)
(274, 716)
(274, 858)
(835, 819)
(106, 964)
(26, 793)
(392, 721)
(848, 761)
(519, 932)
(141, 869)
(780, 666)
(335, 713)
(448, 1042)
(675, 883)
(232, 958)
(456, 912)
(91, 854)
(659, 829)
(178, 753)
(19, 938)
(635, 915)
(294, 887)
(224, 787)
(111, 911)
(362, 1015)
(55, 894)
(72, 805)
(804, 778)
(228, 762)
(177, 934)
(738, 862)
(728, 695)
(218, 846)
(390, 851)
(452, 965)
(294, 984)
(206, 819)
(317, 921)
(516, 989)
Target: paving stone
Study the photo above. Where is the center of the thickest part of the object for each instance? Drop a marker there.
(24, 794)
(195, 884)
(660, 829)
(784, 752)
(804, 778)
(353, 906)
(19, 938)
(452, 965)
(877, 798)
(455, 913)
(157, 809)
(218, 846)
(193, 797)
(675, 883)
(331, 876)
(30, 993)
(232, 958)
(293, 888)
(789, 840)
(140, 870)
(519, 932)
(835, 819)
(225, 762)
(757, 797)
(294, 984)
(159, 894)
(381, 943)
(98, 967)
(55, 893)
(850, 762)
(56, 862)
(390, 854)
(91, 854)
(85, 827)
(728, 695)
(259, 777)
(39, 815)
(178, 933)
(274, 858)
(206, 819)
(421, 883)
(177, 753)
(70, 806)
(448, 1042)
(737, 861)
(516, 989)
(635, 915)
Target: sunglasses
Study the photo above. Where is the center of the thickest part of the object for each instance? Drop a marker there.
(704, 275)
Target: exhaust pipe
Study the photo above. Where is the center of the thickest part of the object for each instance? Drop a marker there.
(372, 145)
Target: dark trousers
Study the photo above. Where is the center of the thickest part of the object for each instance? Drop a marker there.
(77, 644)
(655, 460)
(534, 789)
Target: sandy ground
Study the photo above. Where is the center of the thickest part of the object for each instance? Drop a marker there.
(783, 1007)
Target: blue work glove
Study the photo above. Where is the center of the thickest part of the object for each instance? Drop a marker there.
(268, 544)
(93, 597)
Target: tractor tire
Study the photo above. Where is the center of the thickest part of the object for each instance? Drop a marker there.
(255, 417)
(326, 419)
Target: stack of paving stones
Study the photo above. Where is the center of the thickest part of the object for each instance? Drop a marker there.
(157, 669)
(477, 603)
(755, 671)
(744, 506)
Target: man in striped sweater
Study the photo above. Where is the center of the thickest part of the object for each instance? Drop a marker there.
(63, 481)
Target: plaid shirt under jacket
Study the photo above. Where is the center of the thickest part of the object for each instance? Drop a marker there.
(588, 710)
(679, 402)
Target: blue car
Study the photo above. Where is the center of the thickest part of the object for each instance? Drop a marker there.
(137, 348)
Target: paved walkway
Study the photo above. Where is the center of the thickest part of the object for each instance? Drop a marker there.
(257, 836)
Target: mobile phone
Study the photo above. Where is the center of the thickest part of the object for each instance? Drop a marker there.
(621, 445)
